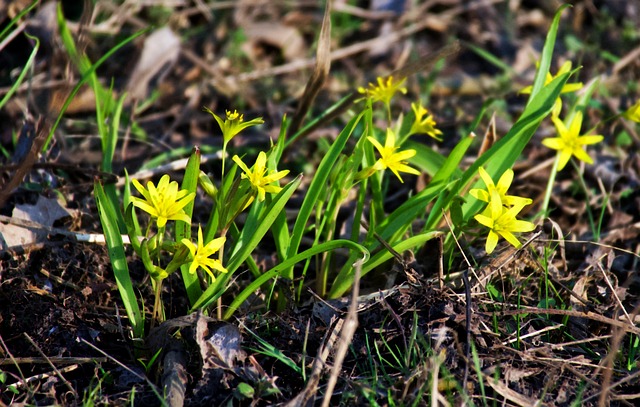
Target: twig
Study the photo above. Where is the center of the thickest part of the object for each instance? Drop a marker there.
(467, 297)
(56, 372)
(55, 369)
(128, 369)
(346, 335)
(570, 313)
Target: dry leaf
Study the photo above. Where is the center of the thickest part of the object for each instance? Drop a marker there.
(160, 51)
(42, 215)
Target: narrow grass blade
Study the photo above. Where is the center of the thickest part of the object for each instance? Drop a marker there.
(118, 259)
(247, 242)
(87, 74)
(317, 186)
(183, 229)
(343, 282)
(289, 263)
(23, 72)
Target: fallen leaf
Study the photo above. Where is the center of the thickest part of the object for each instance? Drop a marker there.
(42, 216)
(160, 51)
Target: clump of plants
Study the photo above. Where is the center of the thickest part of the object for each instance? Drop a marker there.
(378, 147)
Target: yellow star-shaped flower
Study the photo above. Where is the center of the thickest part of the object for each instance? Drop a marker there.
(424, 125)
(570, 142)
(502, 187)
(259, 176)
(233, 124)
(201, 254)
(567, 88)
(384, 90)
(391, 159)
(633, 113)
(502, 221)
(163, 202)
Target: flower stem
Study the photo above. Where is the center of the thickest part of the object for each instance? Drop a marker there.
(552, 179)
(158, 311)
(595, 231)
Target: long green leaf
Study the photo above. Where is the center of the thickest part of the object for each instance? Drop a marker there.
(183, 229)
(317, 186)
(118, 259)
(247, 242)
(289, 263)
(343, 282)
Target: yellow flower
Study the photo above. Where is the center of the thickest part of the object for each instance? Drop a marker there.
(201, 254)
(233, 124)
(384, 90)
(503, 186)
(633, 113)
(424, 125)
(567, 88)
(259, 177)
(502, 221)
(391, 159)
(164, 201)
(570, 142)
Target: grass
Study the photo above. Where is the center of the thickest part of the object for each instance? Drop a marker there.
(278, 253)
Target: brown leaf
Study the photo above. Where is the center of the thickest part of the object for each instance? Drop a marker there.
(160, 51)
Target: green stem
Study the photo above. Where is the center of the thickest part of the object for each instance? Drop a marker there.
(158, 311)
(552, 179)
(588, 207)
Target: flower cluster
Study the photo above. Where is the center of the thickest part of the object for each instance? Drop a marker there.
(499, 216)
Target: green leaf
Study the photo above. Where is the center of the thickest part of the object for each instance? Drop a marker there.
(118, 260)
(289, 263)
(183, 229)
(317, 186)
(247, 241)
